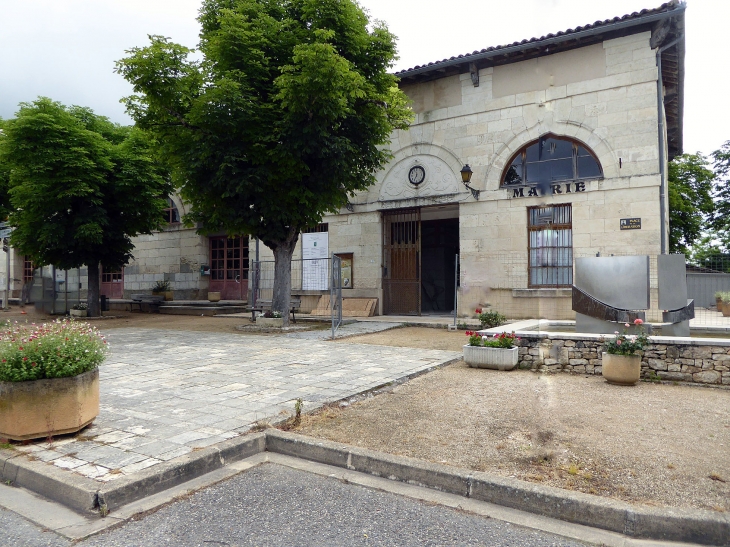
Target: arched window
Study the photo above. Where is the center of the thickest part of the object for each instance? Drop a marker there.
(552, 159)
(170, 213)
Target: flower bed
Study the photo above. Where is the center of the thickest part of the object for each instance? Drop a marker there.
(51, 350)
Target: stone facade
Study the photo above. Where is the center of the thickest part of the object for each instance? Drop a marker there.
(681, 361)
(599, 92)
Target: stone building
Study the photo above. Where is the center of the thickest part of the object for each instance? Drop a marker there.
(566, 140)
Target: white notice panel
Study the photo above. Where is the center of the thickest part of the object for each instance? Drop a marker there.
(315, 267)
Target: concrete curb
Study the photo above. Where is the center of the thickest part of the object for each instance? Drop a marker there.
(83, 495)
(667, 524)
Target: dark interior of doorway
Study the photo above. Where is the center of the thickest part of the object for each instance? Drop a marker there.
(439, 247)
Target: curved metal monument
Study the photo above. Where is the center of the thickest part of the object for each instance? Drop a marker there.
(612, 290)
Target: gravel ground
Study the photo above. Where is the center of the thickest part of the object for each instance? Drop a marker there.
(653, 444)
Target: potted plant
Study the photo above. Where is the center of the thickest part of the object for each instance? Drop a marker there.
(490, 319)
(163, 288)
(718, 300)
(270, 319)
(79, 310)
(498, 352)
(724, 304)
(621, 364)
(49, 378)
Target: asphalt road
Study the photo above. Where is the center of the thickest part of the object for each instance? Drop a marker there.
(278, 506)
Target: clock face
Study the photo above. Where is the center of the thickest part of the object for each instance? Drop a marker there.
(416, 175)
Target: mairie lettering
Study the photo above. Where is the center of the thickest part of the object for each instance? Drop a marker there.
(532, 191)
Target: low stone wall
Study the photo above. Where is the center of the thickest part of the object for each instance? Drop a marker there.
(698, 360)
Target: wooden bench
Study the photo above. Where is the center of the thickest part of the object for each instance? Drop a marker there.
(265, 305)
(152, 301)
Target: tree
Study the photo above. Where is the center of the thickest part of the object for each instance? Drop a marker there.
(720, 221)
(690, 200)
(285, 117)
(80, 188)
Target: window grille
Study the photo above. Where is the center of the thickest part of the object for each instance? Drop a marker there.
(550, 240)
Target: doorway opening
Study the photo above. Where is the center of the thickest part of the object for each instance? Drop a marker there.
(419, 256)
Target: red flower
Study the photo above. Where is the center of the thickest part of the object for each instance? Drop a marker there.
(25, 358)
(478, 310)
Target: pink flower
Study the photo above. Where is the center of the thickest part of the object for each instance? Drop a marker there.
(615, 332)
(638, 321)
(618, 342)
(626, 325)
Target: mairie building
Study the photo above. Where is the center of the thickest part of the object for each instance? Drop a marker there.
(520, 159)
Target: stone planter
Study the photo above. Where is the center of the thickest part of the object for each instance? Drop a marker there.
(622, 370)
(276, 322)
(168, 296)
(725, 309)
(43, 408)
(494, 358)
(78, 313)
(214, 296)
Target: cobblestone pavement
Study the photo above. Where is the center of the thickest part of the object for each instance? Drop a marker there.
(277, 506)
(166, 393)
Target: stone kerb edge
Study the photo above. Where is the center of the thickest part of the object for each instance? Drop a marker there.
(83, 494)
(693, 525)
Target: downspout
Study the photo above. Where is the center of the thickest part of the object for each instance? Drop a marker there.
(660, 127)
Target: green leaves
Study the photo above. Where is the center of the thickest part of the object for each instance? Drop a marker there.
(285, 116)
(80, 186)
(690, 200)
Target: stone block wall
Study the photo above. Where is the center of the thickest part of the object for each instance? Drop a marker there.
(681, 361)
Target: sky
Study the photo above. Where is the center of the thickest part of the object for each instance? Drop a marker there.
(66, 49)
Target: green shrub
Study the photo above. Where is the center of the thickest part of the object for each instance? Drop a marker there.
(503, 340)
(51, 350)
(490, 319)
(161, 286)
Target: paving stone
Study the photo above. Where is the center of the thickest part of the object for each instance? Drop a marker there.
(164, 393)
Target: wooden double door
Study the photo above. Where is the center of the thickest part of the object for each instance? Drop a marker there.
(229, 267)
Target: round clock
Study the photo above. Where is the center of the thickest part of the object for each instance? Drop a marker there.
(416, 175)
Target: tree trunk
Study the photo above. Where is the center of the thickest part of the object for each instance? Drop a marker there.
(92, 295)
(283, 252)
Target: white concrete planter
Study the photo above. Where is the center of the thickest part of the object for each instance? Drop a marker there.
(78, 313)
(622, 370)
(494, 358)
(277, 322)
(214, 296)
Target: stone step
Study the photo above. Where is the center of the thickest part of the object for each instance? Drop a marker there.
(201, 310)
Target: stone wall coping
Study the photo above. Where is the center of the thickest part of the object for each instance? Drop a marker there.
(589, 337)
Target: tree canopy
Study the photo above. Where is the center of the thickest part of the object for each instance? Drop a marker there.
(691, 186)
(80, 188)
(284, 117)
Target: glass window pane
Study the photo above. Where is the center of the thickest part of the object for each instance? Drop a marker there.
(514, 174)
(553, 149)
(588, 167)
(558, 169)
(532, 153)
